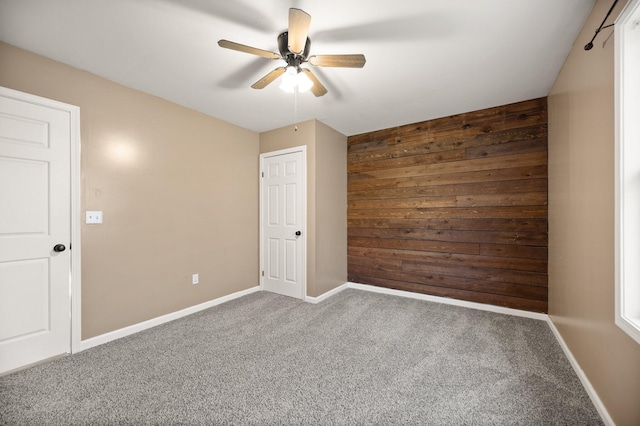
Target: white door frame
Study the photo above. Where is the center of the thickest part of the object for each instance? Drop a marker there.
(302, 149)
(75, 248)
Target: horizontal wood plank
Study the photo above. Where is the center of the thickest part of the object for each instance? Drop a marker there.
(429, 143)
(489, 200)
(467, 200)
(488, 237)
(373, 256)
(511, 148)
(441, 246)
(477, 188)
(513, 250)
(361, 182)
(404, 203)
(380, 263)
(395, 163)
(478, 164)
(484, 274)
(535, 212)
(507, 224)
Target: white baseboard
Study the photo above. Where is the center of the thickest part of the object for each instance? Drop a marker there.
(429, 298)
(132, 329)
(604, 414)
(447, 301)
(326, 295)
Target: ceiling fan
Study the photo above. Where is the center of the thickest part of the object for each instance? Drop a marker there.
(294, 46)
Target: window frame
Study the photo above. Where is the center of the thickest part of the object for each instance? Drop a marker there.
(627, 167)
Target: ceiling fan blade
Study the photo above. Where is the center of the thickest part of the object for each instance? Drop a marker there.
(264, 81)
(299, 22)
(317, 89)
(247, 49)
(346, 61)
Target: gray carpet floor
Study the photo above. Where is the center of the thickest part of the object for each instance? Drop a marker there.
(356, 358)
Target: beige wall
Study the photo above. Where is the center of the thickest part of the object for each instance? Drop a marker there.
(581, 222)
(326, 199)
(331, 209)
(178, 189)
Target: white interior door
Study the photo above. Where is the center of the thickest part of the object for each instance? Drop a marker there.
(35, 217)
(283, 233)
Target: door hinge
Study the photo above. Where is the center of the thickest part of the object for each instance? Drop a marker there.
(263, 273)
(262, 174)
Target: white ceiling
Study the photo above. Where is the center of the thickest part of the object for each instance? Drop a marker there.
(425, 59)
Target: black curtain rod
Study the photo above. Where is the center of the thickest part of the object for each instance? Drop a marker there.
(589, 45)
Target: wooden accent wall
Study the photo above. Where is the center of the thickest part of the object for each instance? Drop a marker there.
(454, 207)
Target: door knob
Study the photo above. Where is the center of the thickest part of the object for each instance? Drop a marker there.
(298, 233)
(59, 247)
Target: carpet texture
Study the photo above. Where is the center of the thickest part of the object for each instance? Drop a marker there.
(356, 358)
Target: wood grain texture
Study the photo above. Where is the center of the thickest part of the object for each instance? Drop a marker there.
(454, 207)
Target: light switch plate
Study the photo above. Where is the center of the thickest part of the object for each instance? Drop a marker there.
(93, 217)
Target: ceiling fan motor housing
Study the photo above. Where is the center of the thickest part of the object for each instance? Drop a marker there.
(287, 55)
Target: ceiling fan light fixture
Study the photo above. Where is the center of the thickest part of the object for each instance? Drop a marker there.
(289, 80)
(294, 46)
(294, 77)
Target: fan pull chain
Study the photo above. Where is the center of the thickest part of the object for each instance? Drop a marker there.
(295, 108)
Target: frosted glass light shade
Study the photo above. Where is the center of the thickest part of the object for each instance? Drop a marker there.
(289, 80)
(293, 78)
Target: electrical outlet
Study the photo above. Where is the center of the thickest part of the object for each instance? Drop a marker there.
(93, 217)
(195, 279)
